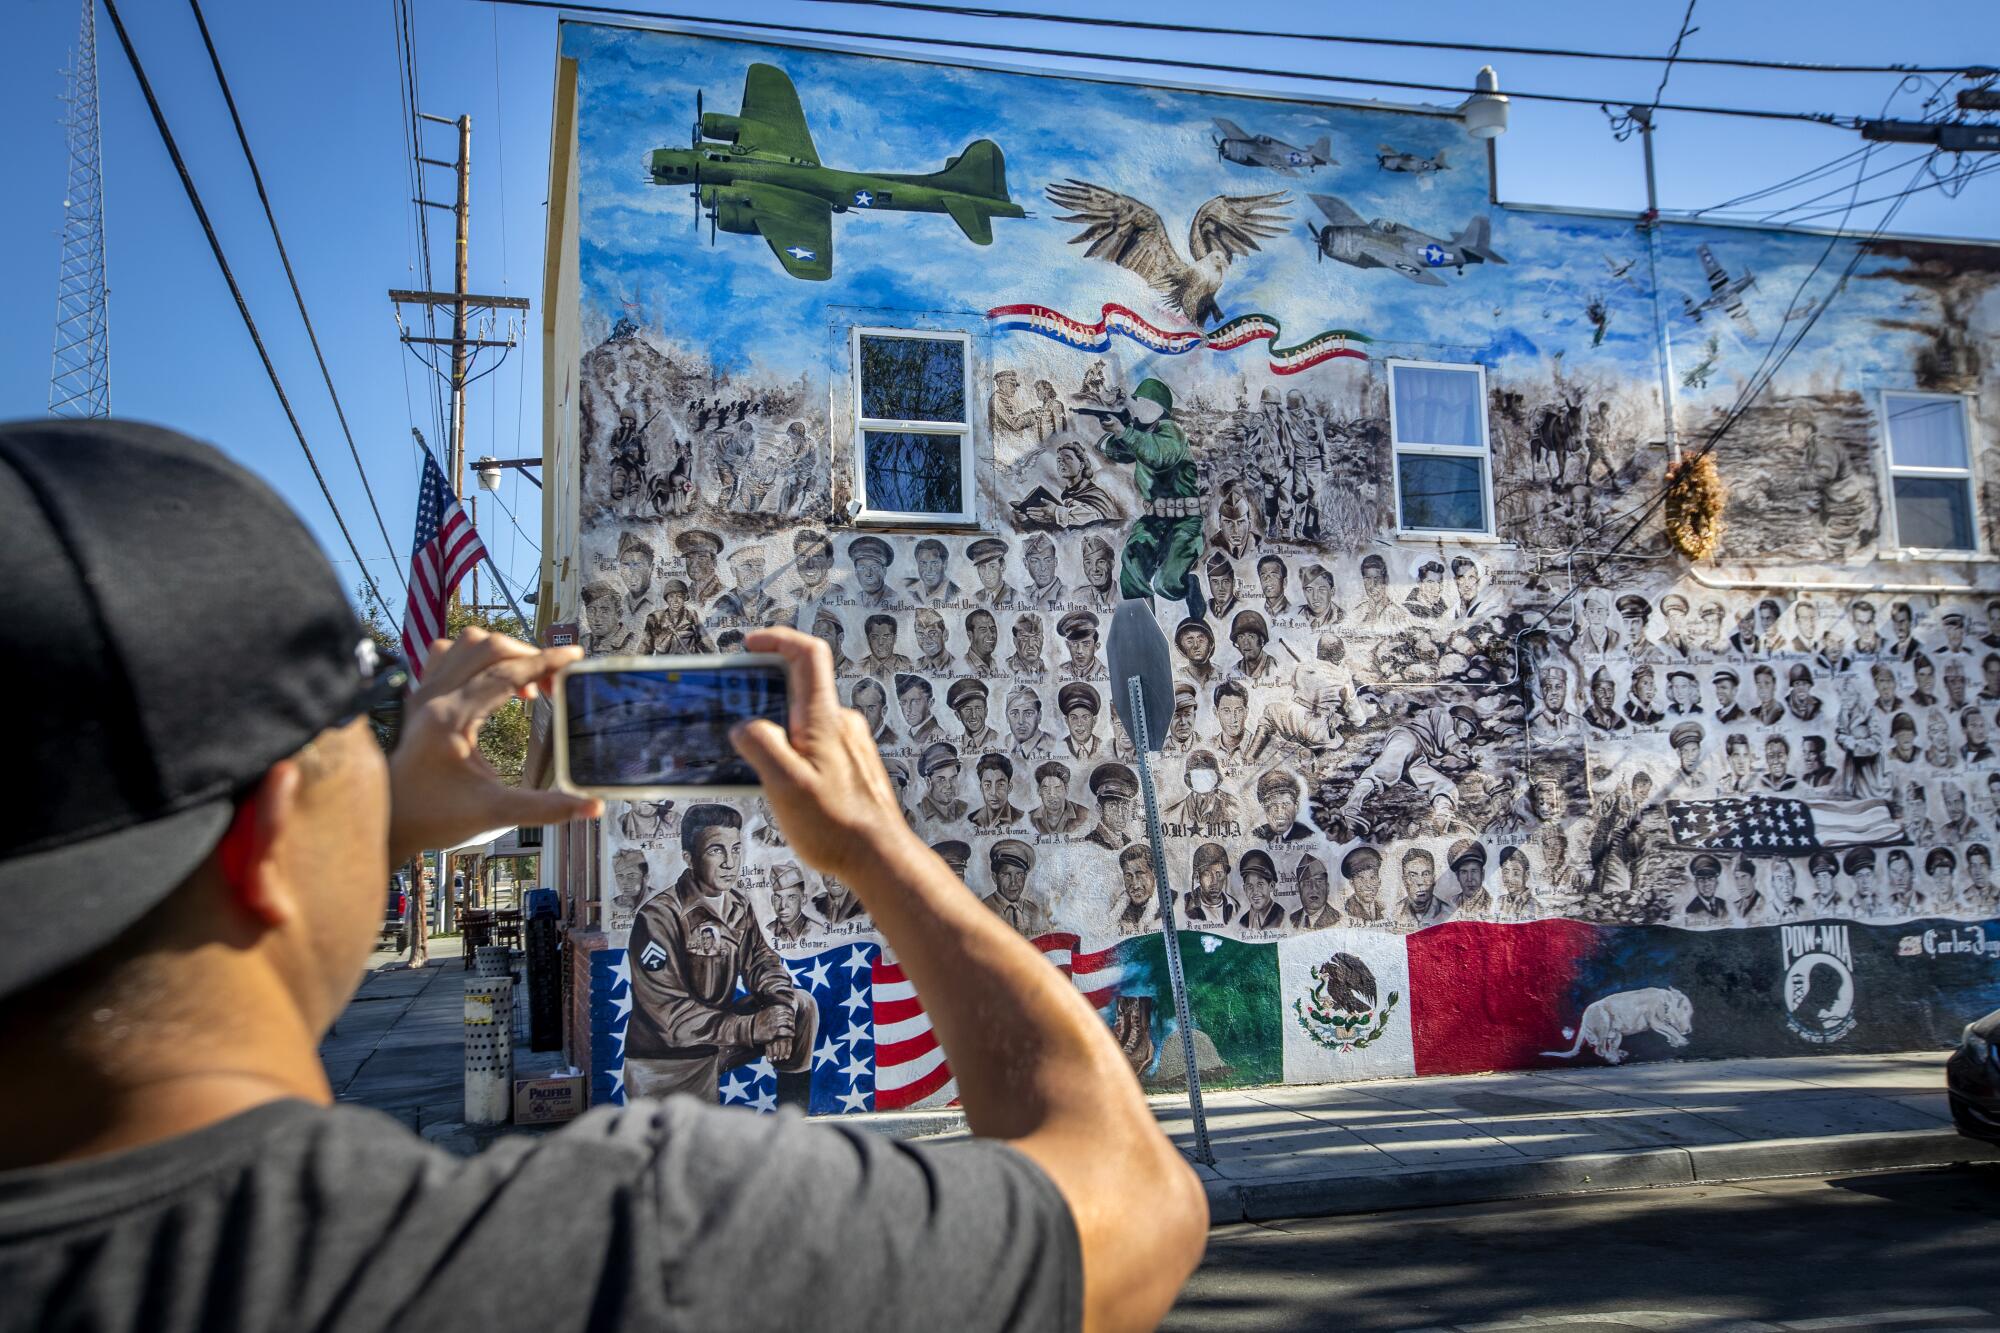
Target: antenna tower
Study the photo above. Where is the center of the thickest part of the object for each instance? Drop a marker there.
(80, 379)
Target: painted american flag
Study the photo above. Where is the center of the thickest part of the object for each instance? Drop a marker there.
(446, 548)
(1782, 825)
(910, 1068)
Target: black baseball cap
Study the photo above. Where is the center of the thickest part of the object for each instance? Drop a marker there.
(173, 631)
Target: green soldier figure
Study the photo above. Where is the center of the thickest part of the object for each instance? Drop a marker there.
(1164, 543)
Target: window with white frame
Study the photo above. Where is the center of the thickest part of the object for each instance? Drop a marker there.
(913, 451)
(1444, 471)
(1930, 471)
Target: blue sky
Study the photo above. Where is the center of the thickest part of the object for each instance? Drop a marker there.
(318, 87)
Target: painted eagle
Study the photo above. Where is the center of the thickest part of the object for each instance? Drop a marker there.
(1128, 233)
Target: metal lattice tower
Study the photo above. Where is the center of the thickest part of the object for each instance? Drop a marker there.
(80, 378)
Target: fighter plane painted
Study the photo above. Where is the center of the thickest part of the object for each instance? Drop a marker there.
(1235, 144)
(1724, 293)
(757, 172)
(1352, 239)
(1621, 271)
(1389, 159)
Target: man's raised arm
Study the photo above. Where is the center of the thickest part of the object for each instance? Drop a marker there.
(1035, 1065)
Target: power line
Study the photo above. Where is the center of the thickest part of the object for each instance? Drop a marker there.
(1667, 70)
(1415, 43)
(1826, 168)
(242, 308)
(326, 375)
(1166, 62)
(1753, 388)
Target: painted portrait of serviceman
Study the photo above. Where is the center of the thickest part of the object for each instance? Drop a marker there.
(1208, 903)
(1079, 633)
(870, 558)
(1045, 586)
(989, 564)
(1100, 574)
(1138, 908)
(882, 658)
(1221, 586)
(1278, 793)
(933, 585)
(1196, 643)
(1261, 910)
(1010, 862)
(915, 698)
(1249, 631)
(699, 550)
(1079, 705)
(1315, 912)
(933, 654)
(789, 923)
(968, 700)
(692, 945)
(982, 641)
(1025, 738)
(606, 631)
(826, 627)
(1115, 788)
(1027, 659)
(938, 766)
(1322, 611)
(869, 699)
(995, 775)
(1057, 814)
(635, 567)
(1361, 868)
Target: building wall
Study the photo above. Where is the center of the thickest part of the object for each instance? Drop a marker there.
(1494, 715)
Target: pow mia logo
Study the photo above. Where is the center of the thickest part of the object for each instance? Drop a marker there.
(1819, 982)
(652, 957)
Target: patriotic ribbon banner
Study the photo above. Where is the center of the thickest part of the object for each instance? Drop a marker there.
(910, 1069)
(1782, 825)
(1236, 333)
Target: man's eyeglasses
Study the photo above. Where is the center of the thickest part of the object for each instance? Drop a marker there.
(381, 696)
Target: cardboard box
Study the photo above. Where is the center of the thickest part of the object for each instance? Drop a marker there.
(546, 1101)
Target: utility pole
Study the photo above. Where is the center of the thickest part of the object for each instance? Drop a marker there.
(80, 378)
(1649, 223)
(460, 299)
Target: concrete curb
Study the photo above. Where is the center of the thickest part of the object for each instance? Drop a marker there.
(1308, 1195)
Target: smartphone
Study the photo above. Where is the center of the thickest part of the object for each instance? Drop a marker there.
(648, 727)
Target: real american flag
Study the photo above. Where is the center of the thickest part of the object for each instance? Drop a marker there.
(447, 546)
(1781, 825)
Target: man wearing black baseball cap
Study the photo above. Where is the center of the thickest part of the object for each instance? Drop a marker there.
(192, 876)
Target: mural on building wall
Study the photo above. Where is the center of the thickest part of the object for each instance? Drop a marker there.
(1535, 796)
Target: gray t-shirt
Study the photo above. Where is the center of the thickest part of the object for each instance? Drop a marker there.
(659, 1215)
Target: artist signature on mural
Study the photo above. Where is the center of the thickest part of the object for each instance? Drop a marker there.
(1958, 940)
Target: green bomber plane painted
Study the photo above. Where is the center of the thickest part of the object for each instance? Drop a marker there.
(758, 172)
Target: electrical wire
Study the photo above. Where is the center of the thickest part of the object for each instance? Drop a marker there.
(1414, 43)
(1205, 66)
(1667, 70)
(1948, 183)
(229, 276)
(277, 238)
(1805, 177)
(1753, 388)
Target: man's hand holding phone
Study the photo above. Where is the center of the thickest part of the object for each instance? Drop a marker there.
(821, 771)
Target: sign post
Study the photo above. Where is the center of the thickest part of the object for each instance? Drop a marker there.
(1138, 658)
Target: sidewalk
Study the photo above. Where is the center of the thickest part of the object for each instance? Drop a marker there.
(399, 1047)
(1407, 1143)
(1313, 1151)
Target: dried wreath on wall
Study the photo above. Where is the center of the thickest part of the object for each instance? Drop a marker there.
(1695, 495)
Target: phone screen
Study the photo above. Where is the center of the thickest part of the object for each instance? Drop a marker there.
(666, 728)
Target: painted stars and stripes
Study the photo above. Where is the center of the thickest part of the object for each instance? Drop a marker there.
(1240, 332)
(446, 548)
(910, 1068)
(841, 1077)
(1781, 825)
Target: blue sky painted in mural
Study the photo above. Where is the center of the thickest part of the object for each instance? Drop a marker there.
(640, 245)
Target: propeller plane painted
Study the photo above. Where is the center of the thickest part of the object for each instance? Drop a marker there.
(1349, 238)
(758, 173)
(1238, 145)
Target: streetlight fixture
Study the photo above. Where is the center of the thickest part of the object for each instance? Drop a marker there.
(1485, 112)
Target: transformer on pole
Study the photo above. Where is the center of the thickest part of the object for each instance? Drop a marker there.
(79, 378)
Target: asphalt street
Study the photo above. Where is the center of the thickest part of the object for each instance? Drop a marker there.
(1903, 1251)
